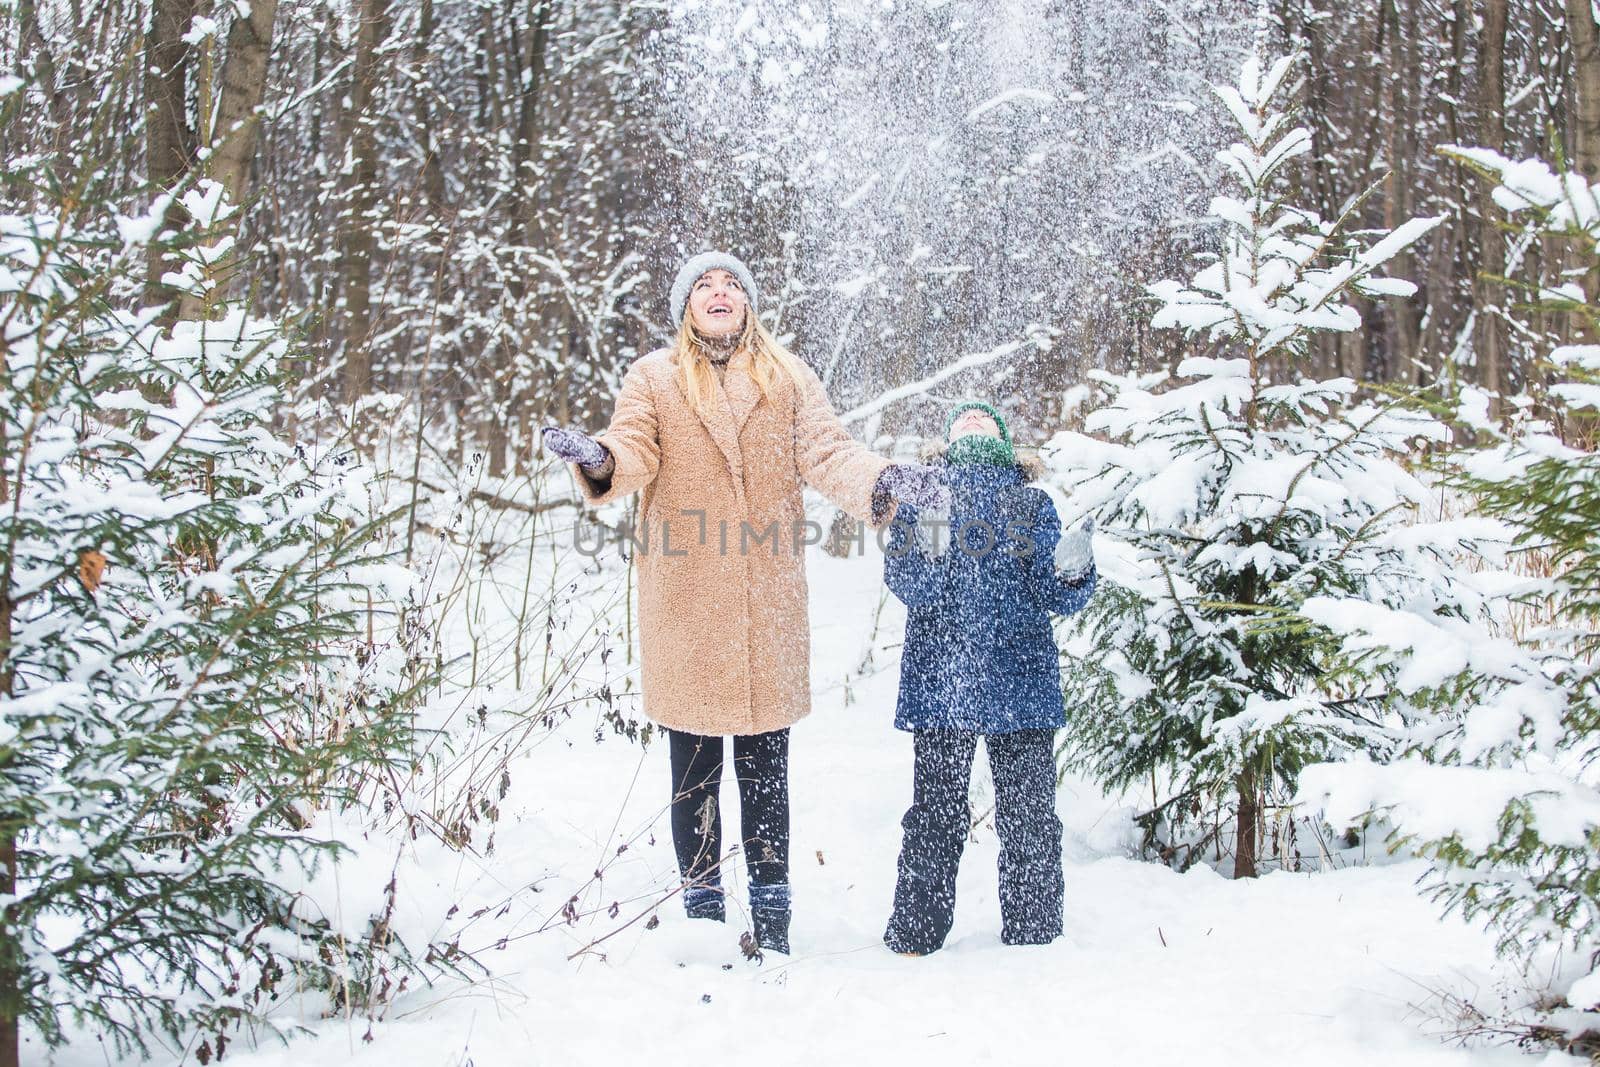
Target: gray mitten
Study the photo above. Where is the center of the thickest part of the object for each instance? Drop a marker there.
(1074, 553)
(915, 484)
(575, 447)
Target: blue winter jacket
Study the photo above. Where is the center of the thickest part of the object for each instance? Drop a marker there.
(979, 652)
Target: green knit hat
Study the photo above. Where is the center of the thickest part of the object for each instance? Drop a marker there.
(979, 448)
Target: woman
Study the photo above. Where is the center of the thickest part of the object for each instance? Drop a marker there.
(719, 433)
(980, 661)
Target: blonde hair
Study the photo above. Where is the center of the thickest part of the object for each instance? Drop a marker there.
(768, 359)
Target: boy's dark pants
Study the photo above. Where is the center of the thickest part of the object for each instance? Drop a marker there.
(1031, 883)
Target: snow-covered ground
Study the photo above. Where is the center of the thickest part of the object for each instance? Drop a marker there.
(1157, 967)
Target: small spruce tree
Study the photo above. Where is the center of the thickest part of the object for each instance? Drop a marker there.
(187, 679)
(1498, 786)
(1228, 496)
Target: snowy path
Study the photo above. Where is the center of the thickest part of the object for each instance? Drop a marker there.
(1157, 967)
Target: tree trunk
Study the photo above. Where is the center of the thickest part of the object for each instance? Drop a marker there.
(1489, 329)
(1586, 84)
(357, 227)
(1248, 822)
(1403, 359)
(169, 140)
(1247, 783)
(233, 132)
(39, 65)
(10, 994)
(527, 73)
(322, 327)
(432, 172)
(244, 85)
(495, 438)
(1585, 153)
(526, 69)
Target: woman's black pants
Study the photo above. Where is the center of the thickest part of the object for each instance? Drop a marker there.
(936, 826)
(761, 768)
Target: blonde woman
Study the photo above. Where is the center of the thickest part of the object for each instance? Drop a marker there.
(719, 433)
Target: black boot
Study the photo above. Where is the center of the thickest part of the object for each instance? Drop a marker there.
(772, 928)
(705, 902)
(769, 913)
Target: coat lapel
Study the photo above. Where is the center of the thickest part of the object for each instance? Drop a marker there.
(720, 423)
(742, 390)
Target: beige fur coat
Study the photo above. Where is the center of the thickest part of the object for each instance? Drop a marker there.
(725, 640)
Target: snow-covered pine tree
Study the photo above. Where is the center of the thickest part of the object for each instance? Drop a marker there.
(1230, 495)
(187, 675)
(1500, 789)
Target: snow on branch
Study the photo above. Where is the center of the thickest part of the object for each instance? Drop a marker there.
(928, 384)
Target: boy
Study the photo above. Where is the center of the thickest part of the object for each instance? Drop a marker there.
(980, 660)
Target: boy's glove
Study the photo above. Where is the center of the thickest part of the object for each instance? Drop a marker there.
(915, 484)
(575, 447)
(1074, 553)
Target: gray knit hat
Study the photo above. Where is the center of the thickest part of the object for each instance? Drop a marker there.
(691, 271)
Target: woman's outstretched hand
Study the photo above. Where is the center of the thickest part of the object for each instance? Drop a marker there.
(575, 447)
(1074, 553)
(915, 484)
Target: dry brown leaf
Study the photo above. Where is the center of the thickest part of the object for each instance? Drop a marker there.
(91, 568)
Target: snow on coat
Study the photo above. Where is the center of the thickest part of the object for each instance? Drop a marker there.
(979, 651)
(725, 640)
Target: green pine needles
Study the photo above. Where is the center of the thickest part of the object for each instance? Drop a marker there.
(1232, 494)
(188, 681)
(1498, 788)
